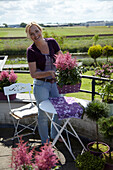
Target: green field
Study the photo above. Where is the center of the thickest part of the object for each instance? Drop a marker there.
(80, 44)
(61, 31)
(12, 32)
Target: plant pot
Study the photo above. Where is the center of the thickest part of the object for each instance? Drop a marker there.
(98, 153)
(4, 97)
(108, 166)
(108, 162)
(69, 88)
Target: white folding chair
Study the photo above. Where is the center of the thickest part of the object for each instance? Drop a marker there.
(26, 111)
(48, 108)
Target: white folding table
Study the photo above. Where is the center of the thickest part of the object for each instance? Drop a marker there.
(48, 108)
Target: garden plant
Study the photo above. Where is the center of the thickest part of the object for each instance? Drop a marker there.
(95, 110)
(7, 78)
(106, 128)
(95, 51)
(68, 72)
(107, 51)
(26, 158)
(88, 161)
(106, 87)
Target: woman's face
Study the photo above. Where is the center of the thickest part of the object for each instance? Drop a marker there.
(35, 33)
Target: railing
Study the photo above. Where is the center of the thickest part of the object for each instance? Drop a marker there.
(93, 78)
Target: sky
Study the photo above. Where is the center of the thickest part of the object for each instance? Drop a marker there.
(55, 11)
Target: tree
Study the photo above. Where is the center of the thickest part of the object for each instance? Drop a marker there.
(23, 25)
(107, 51)
(95, 38)
(95, 51)
(5, 25)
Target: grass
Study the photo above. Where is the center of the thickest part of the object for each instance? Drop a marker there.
(19, 46)
(15, 44)
(80, 44)
(61, 31)
(12, 32)
(24, 78)
(80, 30)
(86, 42)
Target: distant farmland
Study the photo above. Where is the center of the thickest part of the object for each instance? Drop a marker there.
(77, 39)
(61, 31)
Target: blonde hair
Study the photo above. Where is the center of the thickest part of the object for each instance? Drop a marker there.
(28, 26)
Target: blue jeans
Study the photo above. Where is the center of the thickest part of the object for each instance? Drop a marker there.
(42, 91)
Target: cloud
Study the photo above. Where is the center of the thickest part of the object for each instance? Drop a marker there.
(10, 0)
(105, 0)
(57, 11)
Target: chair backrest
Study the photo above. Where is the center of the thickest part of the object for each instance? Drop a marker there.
(17, 88)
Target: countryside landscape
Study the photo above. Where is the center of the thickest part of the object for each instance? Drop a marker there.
(80, 40)
(56, 111)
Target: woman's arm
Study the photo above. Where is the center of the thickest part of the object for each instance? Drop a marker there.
(36, 74)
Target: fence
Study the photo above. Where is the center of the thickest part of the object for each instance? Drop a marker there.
(93, 78)
(93, 84)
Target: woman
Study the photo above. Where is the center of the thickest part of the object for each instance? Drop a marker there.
(41, 58)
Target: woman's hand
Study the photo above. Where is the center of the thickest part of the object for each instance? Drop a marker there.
(53, 74)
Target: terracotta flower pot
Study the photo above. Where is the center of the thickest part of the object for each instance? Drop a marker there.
(4, 97)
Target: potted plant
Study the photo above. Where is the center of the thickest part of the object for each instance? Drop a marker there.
(7, 78)
(95, 110)
(106, 128)
(88, 161)
(68, 73)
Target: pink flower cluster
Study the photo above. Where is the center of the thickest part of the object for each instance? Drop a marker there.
(4, 75)
(65, 61)
(10, 76)
(7, 78)
(46, 159)
(105, 71)
(24, 158)
(20, 156)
